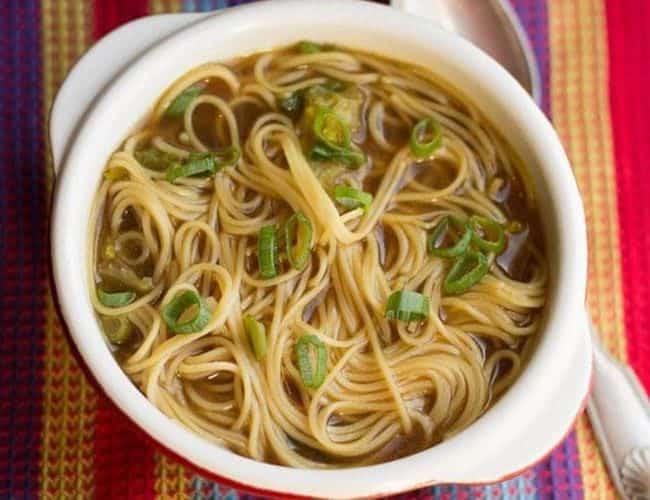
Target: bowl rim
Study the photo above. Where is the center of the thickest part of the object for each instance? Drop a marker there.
(405, 473)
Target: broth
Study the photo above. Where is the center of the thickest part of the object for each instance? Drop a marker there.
(416, 344)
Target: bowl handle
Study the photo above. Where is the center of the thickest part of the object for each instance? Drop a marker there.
(619, 411)
(99, 67)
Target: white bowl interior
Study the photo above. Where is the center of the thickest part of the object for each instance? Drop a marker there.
(476, 454)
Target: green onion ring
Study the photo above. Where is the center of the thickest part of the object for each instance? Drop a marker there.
(311, 355)
(175, 308)
(256, 335)
(267, 251)
(115, 299)
(461, 278)
(484, 225)
(406, 305)
(439, 233)
(420, 148)
(298, 233)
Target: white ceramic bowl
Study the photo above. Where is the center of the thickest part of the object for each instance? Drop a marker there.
(532, 417)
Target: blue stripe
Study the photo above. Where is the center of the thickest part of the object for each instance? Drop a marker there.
(188, 6)
(534, 18)
(23, 247)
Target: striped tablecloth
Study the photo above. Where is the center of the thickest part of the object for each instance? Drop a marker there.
(60, 438)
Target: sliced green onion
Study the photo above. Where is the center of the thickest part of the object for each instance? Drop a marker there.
(267, 251)
(487, 234)
(226, 157)
(195, 165)
(421, 147)
(307, 47)
(311, 355)
(186, 313)
(203, 164)
(116, 299)
(468, 269)
(443, 232)
(406, 305)
(351, 157)
(117, 329)
(333, 138)
(297, 238)
(257, 336)
(331, 129)
(183, 100)
(352, 198)
(292, 104)
(154, 159)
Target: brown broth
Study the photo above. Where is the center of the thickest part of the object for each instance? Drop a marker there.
(515, 260)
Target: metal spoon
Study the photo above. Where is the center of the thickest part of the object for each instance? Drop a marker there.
(491, 25)
(618, 408)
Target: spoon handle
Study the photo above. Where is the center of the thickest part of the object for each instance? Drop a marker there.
(620, 416)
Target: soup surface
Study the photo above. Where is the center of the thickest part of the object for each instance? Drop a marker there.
(317, 257)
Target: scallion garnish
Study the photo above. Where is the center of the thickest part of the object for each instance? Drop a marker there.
(183, 100)
(467, 270)
(487, 234)
(267, 251)
(351, 157)
(154, 159)
(292, 104)
(307, 47)
(297, 238)
(352, 198)
(311, 355)
(449, 229)
(426, 137)
(115, 299)
(186, 313)
(406, 305)
(203, 164)
(256, 335)
(117, 329)
(197, 164)
(331, 130)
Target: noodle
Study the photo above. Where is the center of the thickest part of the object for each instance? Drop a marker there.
(391, 387)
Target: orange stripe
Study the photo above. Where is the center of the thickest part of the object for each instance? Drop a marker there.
(580, 110)
(68, 399)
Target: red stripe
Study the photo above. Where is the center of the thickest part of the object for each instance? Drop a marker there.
(629, 50)
(109, 14)
(124, 462)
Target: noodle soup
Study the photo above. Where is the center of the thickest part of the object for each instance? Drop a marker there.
(318, 257)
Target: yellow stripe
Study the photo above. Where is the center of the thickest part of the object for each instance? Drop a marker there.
(580, 110)
(68, 399)
(164, 6)
(172, 478)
